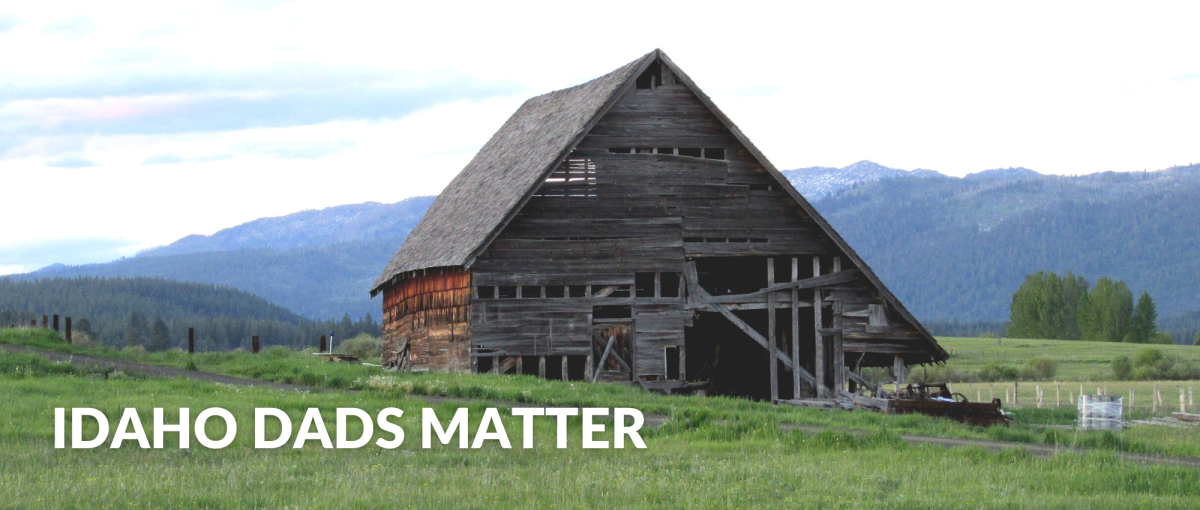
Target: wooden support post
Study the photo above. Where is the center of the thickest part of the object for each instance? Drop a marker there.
(496, 360)
(68, 330)
(56, 323)
(542, 367)
(604, 358)
(657, 285)
(587, 368)
(520, 365)
(254, 344)
(324, 344)
(818, 339)
(772, 340)
(795, 330)
(191, 340)
(564, 367)
(839, 357)
(898, 368)
(682, 362)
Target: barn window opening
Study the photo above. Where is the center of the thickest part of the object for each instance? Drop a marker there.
(556, 291)
(578, 290)
(759, 240)
(531, 291)
(643, 284)
(483, 364)
(651, 78)
(691, 152)
(645, 150)
(506, 292)
(665, 150)
(670, 285)
(620, 150)
(672, 358)
(575, 177)
(485, 291)
(612, 312)
(714, 153)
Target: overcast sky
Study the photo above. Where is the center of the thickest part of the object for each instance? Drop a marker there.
(129, 125)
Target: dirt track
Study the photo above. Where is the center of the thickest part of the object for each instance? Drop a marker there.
(652, 420)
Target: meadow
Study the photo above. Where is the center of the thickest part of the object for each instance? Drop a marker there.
(1077, 360)
(704, 463)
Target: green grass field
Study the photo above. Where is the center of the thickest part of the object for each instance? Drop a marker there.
(1077, 360)
(750, 464)
(715, 452)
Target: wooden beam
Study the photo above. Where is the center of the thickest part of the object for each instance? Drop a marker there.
(898, 369)
(757, 337)
(858, 379)
(772, 341)
(605, 291)
(818, 339)
(564, 367)
(657, 284)
(542, 367)
(795, 330)
(839, 356)
(604, 357)
(616, 356)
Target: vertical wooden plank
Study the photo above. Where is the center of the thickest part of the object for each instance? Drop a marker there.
(587, 369)
(191, 340)
(682, 362)
(818, 340)
(564, 368)
(520, 365)
(68, 330)
(496, 364)
(898, 370)
(839, 357)
(795, 330)
(254, 344)
(772, 341)
(56, 323)
(542, 367)
(657, 284)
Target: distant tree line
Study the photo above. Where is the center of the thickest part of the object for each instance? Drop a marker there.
(1068, 308)
(156, 314)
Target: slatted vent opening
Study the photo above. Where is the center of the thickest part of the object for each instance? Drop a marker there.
(691, 152)
(575, 178)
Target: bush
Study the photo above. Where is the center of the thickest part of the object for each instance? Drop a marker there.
(1122, 368)
(1041, 369)
(993, 373)
(1152, 364)
(1149, 356)
(364, 346)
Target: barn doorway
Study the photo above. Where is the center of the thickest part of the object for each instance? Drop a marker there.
(614, 366)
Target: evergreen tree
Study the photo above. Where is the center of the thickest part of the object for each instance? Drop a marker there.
(1107, 314)
(1143, 328)
(160, 337)
(135, 328)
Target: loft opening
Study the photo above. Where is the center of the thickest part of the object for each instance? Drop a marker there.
(651, 78)
(575, 177)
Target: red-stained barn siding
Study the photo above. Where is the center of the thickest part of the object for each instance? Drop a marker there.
(432, 313)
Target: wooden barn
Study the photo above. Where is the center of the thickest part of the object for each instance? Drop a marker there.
(626, 230)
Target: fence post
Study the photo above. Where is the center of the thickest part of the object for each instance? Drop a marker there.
(323, 344)
(191, 340)
(68, 330)
(1016, 399)
(254, 344)
(1057, 394)
(56, 323)
(1182, 401)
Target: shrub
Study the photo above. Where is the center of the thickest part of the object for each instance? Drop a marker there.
(993, 373)
(1040, 369)
(1122, 368)
(1147, 357)
(364, 346)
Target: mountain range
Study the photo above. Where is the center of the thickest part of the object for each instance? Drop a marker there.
(951, 248)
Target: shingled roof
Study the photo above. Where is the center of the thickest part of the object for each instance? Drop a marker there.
(475, 204)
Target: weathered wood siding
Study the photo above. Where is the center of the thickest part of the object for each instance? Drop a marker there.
(430, 314)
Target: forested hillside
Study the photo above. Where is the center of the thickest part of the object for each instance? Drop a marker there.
(958, 248)
(124, 311)
(316, 263)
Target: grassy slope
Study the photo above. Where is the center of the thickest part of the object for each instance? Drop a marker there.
(735, 465)
(1077, 360)
(281, 365)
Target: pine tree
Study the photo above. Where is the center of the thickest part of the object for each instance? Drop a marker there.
(1143, 329)
(135, 328)
(160, 337)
